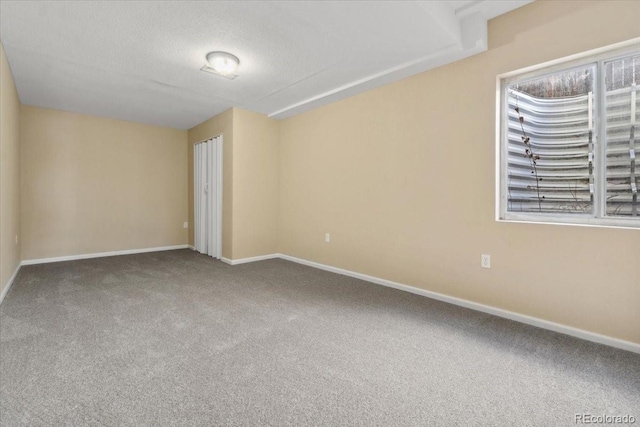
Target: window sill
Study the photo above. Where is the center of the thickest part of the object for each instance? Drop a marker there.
(577, 221)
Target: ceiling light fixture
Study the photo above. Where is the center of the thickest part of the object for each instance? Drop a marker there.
(222, 64)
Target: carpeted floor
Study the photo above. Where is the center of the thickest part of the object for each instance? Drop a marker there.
(176, 338)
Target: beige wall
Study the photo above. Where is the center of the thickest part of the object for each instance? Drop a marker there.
(9, 173)
(92, 185)
(250, 181)
(255, 184)
(222, 124)
(403, 179)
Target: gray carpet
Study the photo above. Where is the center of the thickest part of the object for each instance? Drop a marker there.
(176, 338)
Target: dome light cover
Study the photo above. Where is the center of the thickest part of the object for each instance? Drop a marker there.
(223, 62)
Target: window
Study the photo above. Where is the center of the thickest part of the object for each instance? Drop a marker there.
(569, 143)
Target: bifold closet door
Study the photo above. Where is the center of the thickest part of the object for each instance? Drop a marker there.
(206, 197)
(211, 187)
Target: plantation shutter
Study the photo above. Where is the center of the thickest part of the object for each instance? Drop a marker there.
(561, 134)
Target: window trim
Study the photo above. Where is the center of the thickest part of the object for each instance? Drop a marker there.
(598, 218)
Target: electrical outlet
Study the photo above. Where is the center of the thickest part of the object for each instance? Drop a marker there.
(185, 225)
(327, 237)
(485, 261)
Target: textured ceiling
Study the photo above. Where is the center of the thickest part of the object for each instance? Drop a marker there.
(141, 60)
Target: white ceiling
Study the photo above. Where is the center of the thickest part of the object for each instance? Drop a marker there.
(141, 60)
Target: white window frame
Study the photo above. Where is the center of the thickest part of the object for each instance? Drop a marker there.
(598, 218)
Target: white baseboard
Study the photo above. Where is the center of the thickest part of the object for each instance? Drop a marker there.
(101, 254)
(522, 318)
(5, 291)
(251, 259)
